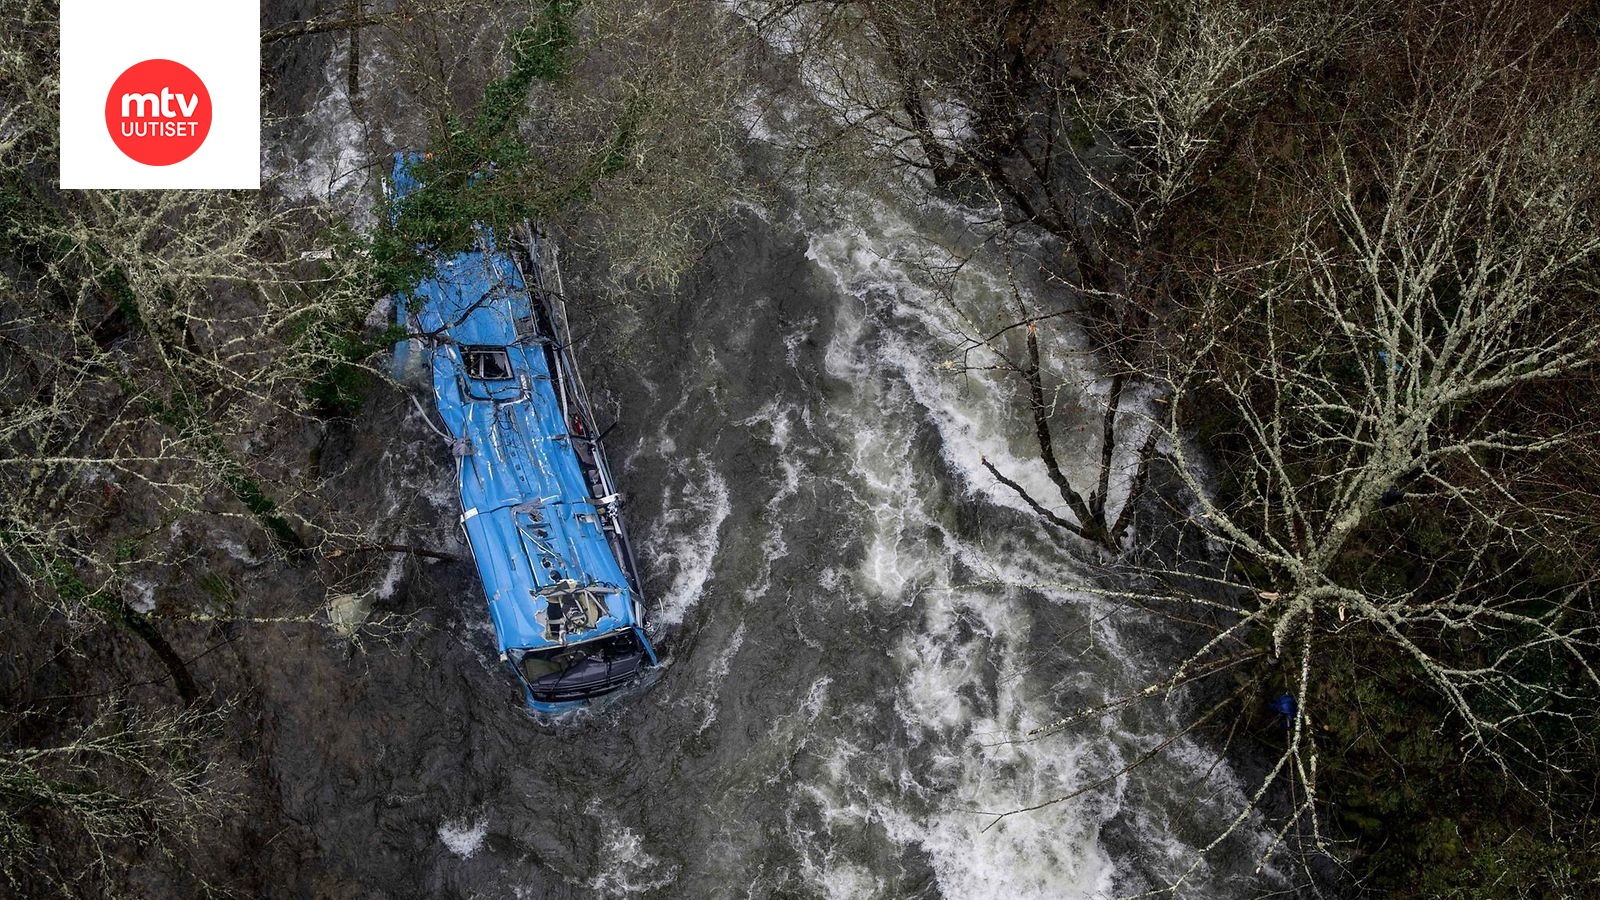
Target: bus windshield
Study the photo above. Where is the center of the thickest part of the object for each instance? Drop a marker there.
(583, 670)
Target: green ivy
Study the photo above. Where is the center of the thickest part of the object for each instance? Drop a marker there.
(480, 173)
(341, 390)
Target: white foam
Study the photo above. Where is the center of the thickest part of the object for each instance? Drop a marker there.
(712, 683)
(333, 162)
(141, 595)
(237, 551)
(816, 698)
(688, 539)
(462, 839)
(881, 346)
(841, 879)
(392, 576)
(891, 331)
(627, 868)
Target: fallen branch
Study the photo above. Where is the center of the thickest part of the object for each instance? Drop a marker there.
(337, 552)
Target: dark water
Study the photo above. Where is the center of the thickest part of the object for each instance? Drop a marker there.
(852, 614)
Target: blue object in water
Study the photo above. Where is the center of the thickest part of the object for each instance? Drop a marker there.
(1284, 706)
(539, 507)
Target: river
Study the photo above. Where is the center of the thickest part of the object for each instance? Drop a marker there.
(855, 619)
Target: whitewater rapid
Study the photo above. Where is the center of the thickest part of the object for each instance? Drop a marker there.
(856, 621)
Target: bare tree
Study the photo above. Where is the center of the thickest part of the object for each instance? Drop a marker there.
(1370, 364)
(125, 776)
(1093, 127)
(1371, 332)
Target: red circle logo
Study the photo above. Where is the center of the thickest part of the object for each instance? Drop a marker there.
(158, 112)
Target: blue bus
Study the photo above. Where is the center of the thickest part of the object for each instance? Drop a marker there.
(540, 509)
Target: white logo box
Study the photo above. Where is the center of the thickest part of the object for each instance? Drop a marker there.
(220, 40)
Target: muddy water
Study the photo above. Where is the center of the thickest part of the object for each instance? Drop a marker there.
(852, 615)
